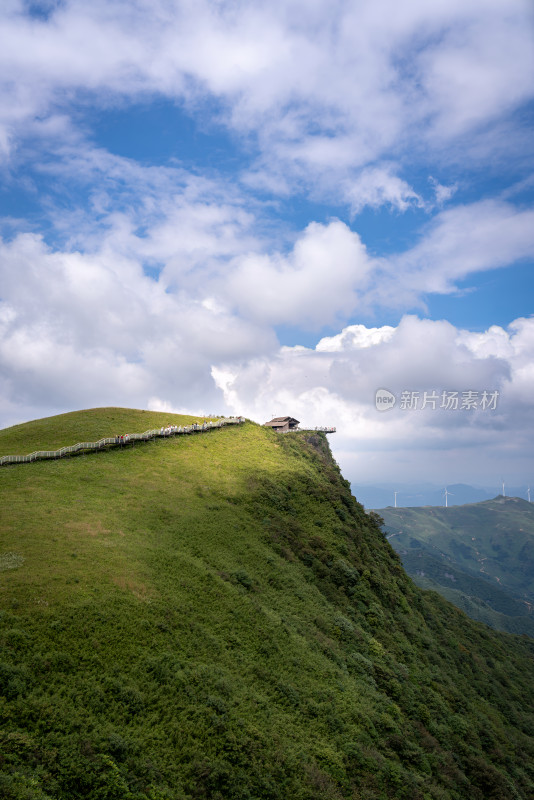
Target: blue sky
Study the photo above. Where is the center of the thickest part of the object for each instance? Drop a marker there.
(254, 208)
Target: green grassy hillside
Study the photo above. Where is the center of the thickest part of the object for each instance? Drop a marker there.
(52, 433)
(214, 616)
(479, 556)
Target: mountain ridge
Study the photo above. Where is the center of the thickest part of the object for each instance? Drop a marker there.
(417, 495)
(479, 555)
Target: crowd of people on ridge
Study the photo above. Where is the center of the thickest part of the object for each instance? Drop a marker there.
(167, 430)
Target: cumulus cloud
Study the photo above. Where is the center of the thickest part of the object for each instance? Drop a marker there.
(335, 384)
(94, 308)
(79, 330)
(221, 242)
(355, 337)
(316, 283)
(93, 328)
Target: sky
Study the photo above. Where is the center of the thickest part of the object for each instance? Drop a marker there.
(240, 207)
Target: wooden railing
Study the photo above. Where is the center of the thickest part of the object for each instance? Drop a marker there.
(121, 441)
(322, 429)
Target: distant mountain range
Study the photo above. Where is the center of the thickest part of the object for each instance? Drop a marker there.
(478, 556)
(411, 495)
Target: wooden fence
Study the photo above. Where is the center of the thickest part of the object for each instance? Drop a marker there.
(121, 441)
(322, 429)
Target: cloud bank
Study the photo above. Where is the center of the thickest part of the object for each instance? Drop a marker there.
(330, 169)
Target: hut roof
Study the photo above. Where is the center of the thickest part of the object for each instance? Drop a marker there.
(277, 422)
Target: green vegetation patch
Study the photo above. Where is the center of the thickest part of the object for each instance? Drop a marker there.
(479, 556)
(215, 616)
(64, 430)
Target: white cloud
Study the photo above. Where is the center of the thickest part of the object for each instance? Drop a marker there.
(94, 312)
(379, 186)
(337, 387)
(443, 193)
(355, 337)
(165, 217)
(459, 242)
(316, 283)
(463, 76)
(516, 345)
(323, 90)
(91, 328)
(218, 242)
(78, 330)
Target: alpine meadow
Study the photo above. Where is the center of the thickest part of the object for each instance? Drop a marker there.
(216, 616)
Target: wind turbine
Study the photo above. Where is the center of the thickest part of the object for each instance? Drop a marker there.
(528, 494)
(447, 497)
(396, 493)
(503, 492)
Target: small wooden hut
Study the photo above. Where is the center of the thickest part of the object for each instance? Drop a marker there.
(283, 424)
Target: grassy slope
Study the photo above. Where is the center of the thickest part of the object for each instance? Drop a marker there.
(52, 433)
(215, 616)
(480, 556)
